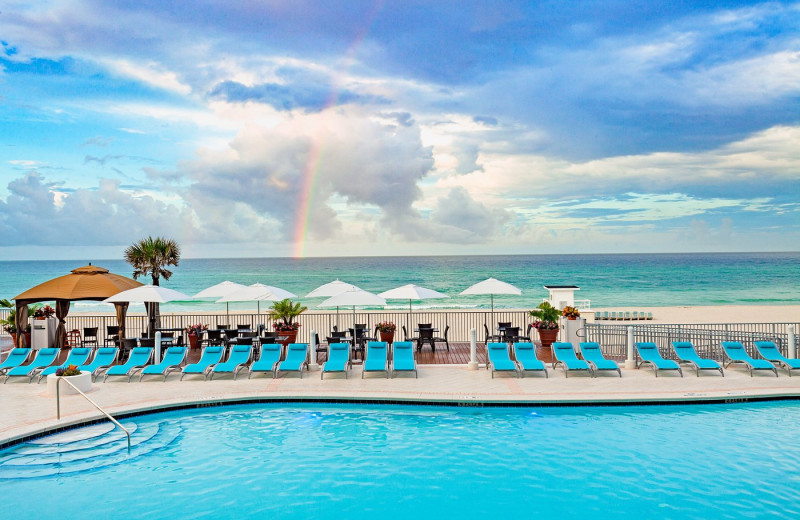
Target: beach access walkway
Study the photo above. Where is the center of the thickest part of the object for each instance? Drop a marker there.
(29, 410)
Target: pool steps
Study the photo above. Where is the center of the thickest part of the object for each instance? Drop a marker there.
(84, 449)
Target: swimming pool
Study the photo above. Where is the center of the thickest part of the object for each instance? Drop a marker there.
(371, 461)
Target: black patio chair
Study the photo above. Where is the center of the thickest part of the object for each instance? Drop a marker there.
(112, 336)
(489, 337)
(213, 337)
(444, 338)
(426, 336)
(511, 334)
(89, 336)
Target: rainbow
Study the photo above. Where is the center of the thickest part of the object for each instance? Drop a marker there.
(317, 150)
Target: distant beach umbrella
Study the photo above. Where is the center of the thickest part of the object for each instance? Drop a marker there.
(257, 292)
(411, 292)
(353, 297)
(492, 286)
(149, 294)
(332, 289)
(219, 290)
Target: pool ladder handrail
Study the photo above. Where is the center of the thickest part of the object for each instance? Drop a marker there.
(58, 408)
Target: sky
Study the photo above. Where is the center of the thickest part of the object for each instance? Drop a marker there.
(338, 128)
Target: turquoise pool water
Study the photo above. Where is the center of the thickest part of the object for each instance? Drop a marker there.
(354, 461)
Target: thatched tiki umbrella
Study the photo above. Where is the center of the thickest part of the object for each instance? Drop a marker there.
(85, 283)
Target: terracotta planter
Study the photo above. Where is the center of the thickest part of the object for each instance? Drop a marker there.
(192, 341)
(388, 337)
(547, 338)
(291, 336)
(27, 339)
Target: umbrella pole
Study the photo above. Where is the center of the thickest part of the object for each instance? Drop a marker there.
(228, 313)
(409, 315)
(492, 310)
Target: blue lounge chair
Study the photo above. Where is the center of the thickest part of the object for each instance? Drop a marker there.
(238, 360)
(593, 354)
(338, 359)
(137, 360)
(210, 357)
(268, 360)
(14, 359)
(649, 353)
(527, 360)
(403, 358)
(499, 361)
(77, 356)
(103, 358)
(44, 358)
(377, 359)
(296, 359)
(173, 359)
(564, 354)
(770, 352)
(737, 354)
(686, 354)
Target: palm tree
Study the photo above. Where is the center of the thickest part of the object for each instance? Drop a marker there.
(151, 256)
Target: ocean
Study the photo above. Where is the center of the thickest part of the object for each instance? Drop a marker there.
(622, 280)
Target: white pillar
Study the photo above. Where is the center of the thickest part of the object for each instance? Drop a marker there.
(157, 348)
(630, 362)
(792, 343)
(473, 350)
(312, 351)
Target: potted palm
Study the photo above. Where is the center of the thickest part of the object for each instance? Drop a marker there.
(283, 314)
(547, 324)
(386, 329)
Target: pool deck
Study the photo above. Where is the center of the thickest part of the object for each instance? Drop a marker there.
(27, 410)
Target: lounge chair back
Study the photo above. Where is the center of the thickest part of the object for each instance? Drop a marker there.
(173, 356)
(377, 358)
(238, 359)
(686, 353)
(211, 356)
(338, 358)
(499, 360)
(270, 355)
(403, 358)
(649, 353)
(296, 359)
(525, 353)
(15, 358)
(564, 354)
(593, 354)
(104, 357)
(770, 352)
(140, 356)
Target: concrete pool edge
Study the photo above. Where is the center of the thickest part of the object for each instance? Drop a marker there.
(49, 427)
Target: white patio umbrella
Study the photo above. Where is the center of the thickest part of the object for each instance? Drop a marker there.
(257, 292)
(411, 292)
(492, 286)
(219, 290)
(149, 294)
(353, 297)
(332, 289)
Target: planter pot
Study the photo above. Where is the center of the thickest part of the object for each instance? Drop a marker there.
(291, 336)
(388, 337)
(572, 318)
(547, 338)
(83, 381)
(192, 341)
(27, 339)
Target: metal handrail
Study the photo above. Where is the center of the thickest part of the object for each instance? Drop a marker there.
(58, 407)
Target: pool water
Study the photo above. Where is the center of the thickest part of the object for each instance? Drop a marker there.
(412, 462)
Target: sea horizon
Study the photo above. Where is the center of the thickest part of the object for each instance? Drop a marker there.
(606, 279)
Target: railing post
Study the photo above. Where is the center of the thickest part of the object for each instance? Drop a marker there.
(312, 351)
(792, 342)
(58, 398)
(157, 353)
(473, 350)
(630, 361)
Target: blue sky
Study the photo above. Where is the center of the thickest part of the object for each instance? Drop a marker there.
(448, 127)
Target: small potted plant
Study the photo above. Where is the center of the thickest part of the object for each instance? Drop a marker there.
(81, 380)
(571, 313)
(42, 313)
(547, 324)
(194, 332)
(10, 322)
(386, 329)
(283, 314)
